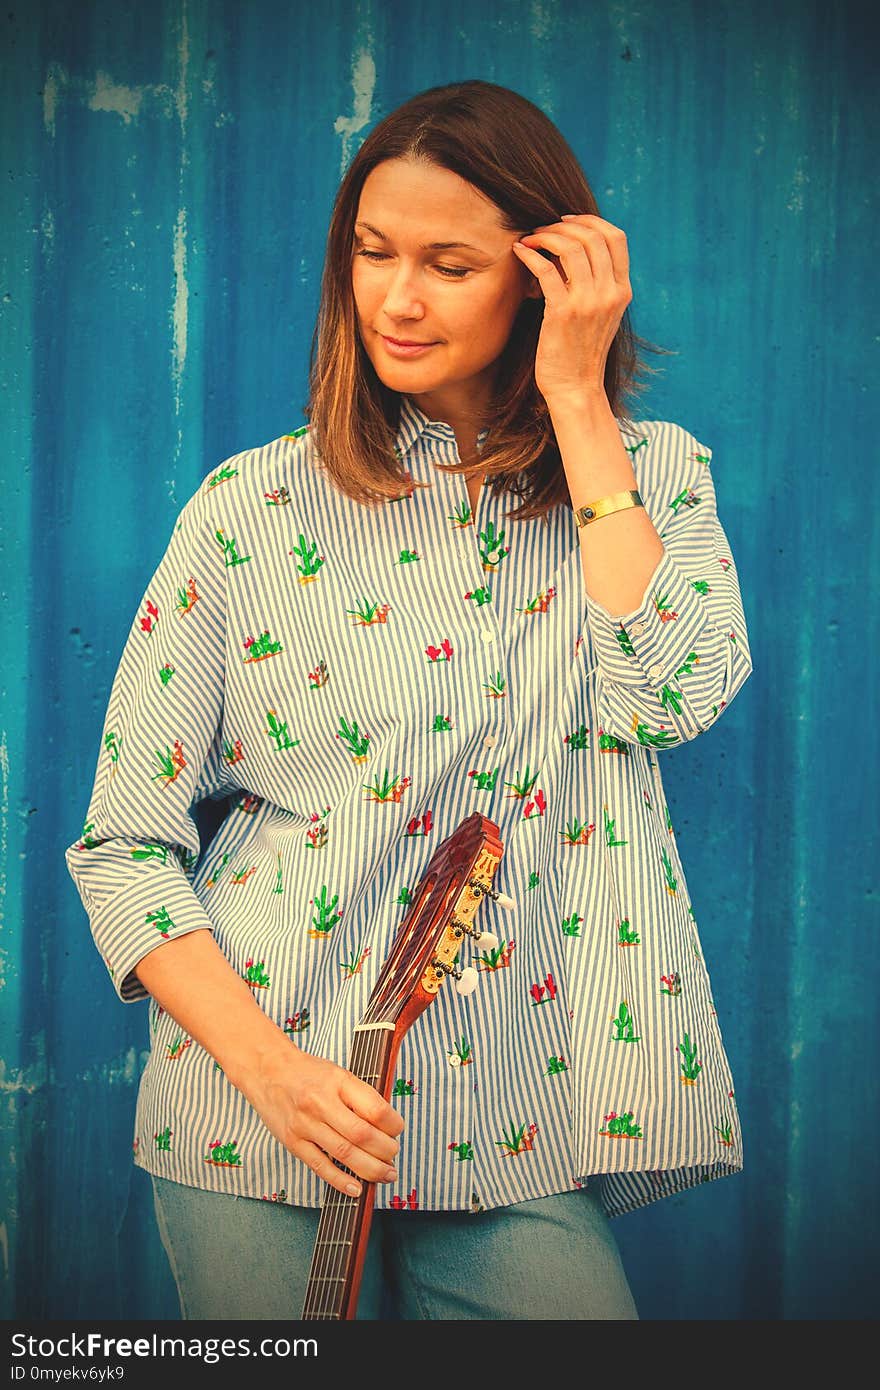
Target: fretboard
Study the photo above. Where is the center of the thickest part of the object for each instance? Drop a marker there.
(344, 1225)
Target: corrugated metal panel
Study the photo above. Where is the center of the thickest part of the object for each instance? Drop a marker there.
(168, 173)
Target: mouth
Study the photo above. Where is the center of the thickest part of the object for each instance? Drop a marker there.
(404, 347)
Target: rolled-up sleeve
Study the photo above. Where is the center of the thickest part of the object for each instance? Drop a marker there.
(160, 753)
(665, 671)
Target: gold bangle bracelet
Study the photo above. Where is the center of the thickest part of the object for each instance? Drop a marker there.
(614, 502)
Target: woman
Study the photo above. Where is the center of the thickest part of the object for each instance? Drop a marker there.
(357, 641)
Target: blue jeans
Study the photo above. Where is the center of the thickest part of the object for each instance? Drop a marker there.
(243, 1258)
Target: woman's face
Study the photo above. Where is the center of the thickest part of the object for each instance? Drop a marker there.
(433, 266)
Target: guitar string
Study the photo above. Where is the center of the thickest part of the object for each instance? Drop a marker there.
(343, 1205)
(331, 1287)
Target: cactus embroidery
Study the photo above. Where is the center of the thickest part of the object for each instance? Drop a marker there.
(259, 648)
(571, 926)
(369, 613)
(555, 1066)
(310, 561)
(627, 935)
(497, 958)
(624, 1029)
(163, 1139)
(690, 1067)
(278, 730)
(229, 547)
(496, 686)
(518, 1140)
(222, 475)
(461, 1054)
(148, 623)
(298, 1022)
(621, 1126)
(187, 598)
(224, 1155)
(386, 788)
(327, 917)
(357, 742)
(492, 548)
(444, 652)
(319, 677)
(545, 993)
(577, 832)
(464, 1151)
(278, 497)
(610, 834)
(171, 764)
(403, 1087)
(355, 962)
(541, 603)
(579, 740)
(161, 921)
(479, 596)
(671, 984)
(255, 974)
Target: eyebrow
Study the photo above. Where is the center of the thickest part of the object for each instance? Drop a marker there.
(426, 246)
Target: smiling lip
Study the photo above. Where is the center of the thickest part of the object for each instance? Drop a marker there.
(404, 349)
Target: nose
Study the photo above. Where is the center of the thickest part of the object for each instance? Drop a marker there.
(402, 297)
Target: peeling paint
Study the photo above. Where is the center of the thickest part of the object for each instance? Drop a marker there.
(28, 1079)
(363, 82)
(180, 310)
(108, 95)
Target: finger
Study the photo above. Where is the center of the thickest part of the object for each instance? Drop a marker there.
(545, 272)
(348, 1154)
(327, 1171)
(366, 1101)
(615, 239)
(358, 1132)
(583, 252)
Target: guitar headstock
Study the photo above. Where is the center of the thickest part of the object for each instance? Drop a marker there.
(438, 923)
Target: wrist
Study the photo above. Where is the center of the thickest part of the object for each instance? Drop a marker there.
(582, 409)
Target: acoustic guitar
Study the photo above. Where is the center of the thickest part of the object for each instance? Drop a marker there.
(438, 923)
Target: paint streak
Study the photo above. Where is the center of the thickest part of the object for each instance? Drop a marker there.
(108, 95)
(180, 309)
(363, 82)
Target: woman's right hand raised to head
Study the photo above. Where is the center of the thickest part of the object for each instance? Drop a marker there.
(325, 1116)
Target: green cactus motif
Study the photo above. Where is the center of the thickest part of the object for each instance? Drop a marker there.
(163, 1139)
(496, 686)
(621, 1126)
(358, 743)
(278, 730)
(161, 921)
(224, 1155)
(624, 1028)
(627, 935)
(522, 783)
(485, 781)
(464, 1151)
(670, 699)
(492, 550)
(327, 916)
(151, 851)
(555, 1066)
(113, 744)
(442, 724)
(623, 639)
(671, 880)
(229, 547)
(479, 596)
(610, 743)
(408, 557)
(690, 1067)
(610, 834)
(310, 560)
(258, 648)
(662, 739)
(579, 740)
(571, 926)
(222, 475)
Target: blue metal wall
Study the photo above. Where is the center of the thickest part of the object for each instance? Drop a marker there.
(168, 171)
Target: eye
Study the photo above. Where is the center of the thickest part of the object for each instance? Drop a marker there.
(450, 272)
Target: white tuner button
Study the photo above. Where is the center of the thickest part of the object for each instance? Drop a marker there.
(507, 903)
(487, 940)
(468, 980)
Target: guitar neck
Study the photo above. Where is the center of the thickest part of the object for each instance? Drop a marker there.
(344, 1225)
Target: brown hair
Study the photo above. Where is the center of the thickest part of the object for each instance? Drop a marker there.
(507, 148)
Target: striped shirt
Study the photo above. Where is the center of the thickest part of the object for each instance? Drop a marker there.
(356, 681)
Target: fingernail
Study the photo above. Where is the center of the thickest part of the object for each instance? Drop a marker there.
(390, 1174)
(353, 1190)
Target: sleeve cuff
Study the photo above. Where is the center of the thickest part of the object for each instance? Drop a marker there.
(650, 645)
(139, 920)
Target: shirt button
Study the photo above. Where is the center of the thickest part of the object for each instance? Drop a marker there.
(637, 629)
(490, 740)
(655, 672)
(487, 635)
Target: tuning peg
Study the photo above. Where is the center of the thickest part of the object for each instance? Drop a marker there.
(509, 904)
(487, 940)
(467, 981)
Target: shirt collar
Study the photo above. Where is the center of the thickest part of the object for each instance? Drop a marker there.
(414, 423)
